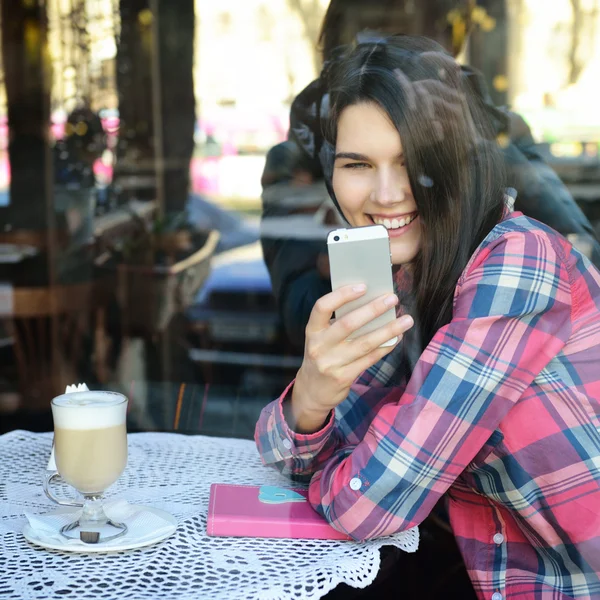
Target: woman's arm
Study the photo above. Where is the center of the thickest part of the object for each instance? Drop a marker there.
(512, 316)
(299, 455)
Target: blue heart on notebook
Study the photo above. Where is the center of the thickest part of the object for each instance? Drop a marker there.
(271, 494)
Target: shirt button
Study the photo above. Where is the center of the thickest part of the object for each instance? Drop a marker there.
(286, 443)
(496, 596)
(498, 539)
(355, 484)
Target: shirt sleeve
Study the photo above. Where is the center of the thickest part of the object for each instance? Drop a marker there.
(512, 315)
(299, 455)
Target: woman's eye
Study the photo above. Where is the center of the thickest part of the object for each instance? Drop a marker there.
(356, 165)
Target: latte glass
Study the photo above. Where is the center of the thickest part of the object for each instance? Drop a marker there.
(90, 450)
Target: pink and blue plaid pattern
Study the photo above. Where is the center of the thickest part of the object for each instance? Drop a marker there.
(501, 415)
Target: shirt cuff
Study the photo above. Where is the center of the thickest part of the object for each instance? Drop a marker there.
(299, 444)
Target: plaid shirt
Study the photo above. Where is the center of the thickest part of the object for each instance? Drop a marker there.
(501, 414)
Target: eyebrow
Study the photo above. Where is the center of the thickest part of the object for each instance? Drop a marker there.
(357, 156)
(351, 156)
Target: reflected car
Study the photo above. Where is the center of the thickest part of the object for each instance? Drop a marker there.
(235, 230)
(234, 323)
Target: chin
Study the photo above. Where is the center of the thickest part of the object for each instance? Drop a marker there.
(402, 256)
(401, 261)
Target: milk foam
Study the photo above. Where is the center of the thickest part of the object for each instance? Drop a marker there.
(89, 410)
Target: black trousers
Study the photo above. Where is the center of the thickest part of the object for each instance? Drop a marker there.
(435, 570)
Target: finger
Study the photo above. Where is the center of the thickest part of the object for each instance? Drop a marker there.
(407, 86)
(426, 99)
(353, 370)
(372, 340)
(348, 352)
(443, 60)
(441, 90)
(369, 342)
(448, 109)
(325, 306)
(343, 328)
(439, 104)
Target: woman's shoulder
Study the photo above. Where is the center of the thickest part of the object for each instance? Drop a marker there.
(517, 229)
(520, 248)
(521, 242)
(517, 222)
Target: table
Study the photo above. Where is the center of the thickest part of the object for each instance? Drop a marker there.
(172, 472)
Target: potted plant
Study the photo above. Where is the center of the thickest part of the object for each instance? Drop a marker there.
(158, 269)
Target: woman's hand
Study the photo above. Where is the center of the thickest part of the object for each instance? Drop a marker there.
(331, 361)
(440, 99)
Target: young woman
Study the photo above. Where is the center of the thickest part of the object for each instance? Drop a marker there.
(492, 398)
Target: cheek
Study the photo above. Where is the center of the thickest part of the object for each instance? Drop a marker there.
(350, 191)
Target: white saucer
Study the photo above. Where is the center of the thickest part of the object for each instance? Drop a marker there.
(116, 545)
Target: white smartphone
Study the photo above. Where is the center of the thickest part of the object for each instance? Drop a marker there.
(362, 255)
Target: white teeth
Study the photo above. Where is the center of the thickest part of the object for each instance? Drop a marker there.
(394, 223)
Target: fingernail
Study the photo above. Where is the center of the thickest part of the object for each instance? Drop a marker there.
(390, 300)
(361, 287)
(407, 321)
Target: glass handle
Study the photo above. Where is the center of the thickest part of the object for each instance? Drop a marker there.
(50, 475)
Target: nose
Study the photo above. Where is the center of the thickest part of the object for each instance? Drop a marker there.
(391, 186)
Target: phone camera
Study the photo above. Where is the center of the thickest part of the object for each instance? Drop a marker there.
(336, 238)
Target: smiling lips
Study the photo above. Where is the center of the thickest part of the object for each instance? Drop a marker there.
(396, 222)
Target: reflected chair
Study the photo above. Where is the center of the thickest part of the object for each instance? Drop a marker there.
(48, 326)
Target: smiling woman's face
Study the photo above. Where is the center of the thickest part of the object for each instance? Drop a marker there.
(370, 179)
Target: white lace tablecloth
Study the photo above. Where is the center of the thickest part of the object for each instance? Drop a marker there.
(171, 472)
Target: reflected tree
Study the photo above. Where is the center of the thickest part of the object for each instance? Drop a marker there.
(27, 80)
(135, 162)
(178, 108)
(310, 13)
(155, 55)
(575, 66)
(583, 29)
(488, 47)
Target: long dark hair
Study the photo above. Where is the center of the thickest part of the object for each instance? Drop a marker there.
(453, 163)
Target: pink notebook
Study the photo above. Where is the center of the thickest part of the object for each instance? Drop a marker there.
(265, 511)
